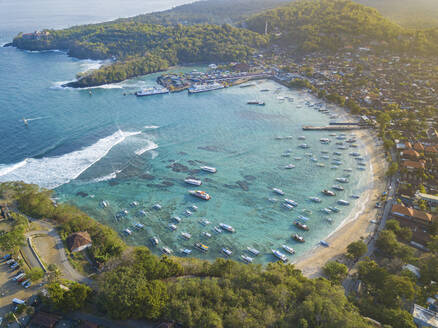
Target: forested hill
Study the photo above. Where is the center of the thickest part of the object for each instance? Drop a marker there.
(312, 25)
(208, 11)
(142, 48)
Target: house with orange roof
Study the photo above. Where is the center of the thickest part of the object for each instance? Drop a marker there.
(410, 153)
(414, 165)
(419, 147)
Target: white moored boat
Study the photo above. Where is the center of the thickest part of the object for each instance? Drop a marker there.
(246, 258)
(288, 249)
(200, 194)
(151, 92)
(343, 202)
(193, 181)
(278, 191)
(226, 227)
(227, 251)
(208, 169)
(253, 251)
(186, 235)
(279, 255)
(291, 202)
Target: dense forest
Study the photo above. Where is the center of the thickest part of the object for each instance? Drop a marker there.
(145, 48)
(208, 12)
(331, 25)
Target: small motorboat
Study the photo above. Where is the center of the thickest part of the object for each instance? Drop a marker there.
(298, 238)
(246, 259)
(253, 251)
(315, 199)
(329, 220)
(287, 206)
(154, 241)
(334, 209)
(328, 192)
(194, 182)
(326, 210)
(226, 227)
(209, 169)
(278, 191)
(186, 251)
(201, 247)
(200, 194)
(291, 202)
(343, 202)
(289, 167)
(204, 222)
(186, 235)
(227, 251)
(104, 204)
(338, 187)
(127, 232)
(133, 204)
(177, 219)
(288, 249)
(166, 250)
(139, 226)
(157, 207)
(206, 234)
(279, 255)
(217, 229)
(301, 225)
(172, 227)
(303, 218)
(324, 243)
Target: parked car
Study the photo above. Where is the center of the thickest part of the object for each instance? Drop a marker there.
(15, 266)
(23, 278)
(18, 276)
(5, 258)
(25, 282)
(27, 285)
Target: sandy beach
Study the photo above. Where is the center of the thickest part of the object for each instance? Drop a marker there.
(361, 227)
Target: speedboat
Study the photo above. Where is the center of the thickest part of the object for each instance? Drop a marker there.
(320, 164)
(193, 208)
(298, 158)
(355, 196)
(288, 249)
(127, 232)
(201, 247)
(301, 225)
(157, 207)
(304, 146)
(278, 191)
(253, 251)
(291, 202)
(326, 210)
(301, 138)
(186, 235)
(142, 213)
(315, 199)
(338, 187)
(256, 102)
(200, 194)
(166, 250)
(177, 219)
(154, 241)
(104, 204)
(324, 140)
(279, 255)
(285, 155)
(186, 251)
(325, 157)
(187, 212)
(226, 227)
(209, 169)
(172, 227)
(343, 180)
(217, 229)
(139, 226)
(298, 238)
(334, 209)
(343, 202)
(290, 166)
(328, 192)
(204, 222)
(193, 181)
(133, 204)
(246, 259)
(206, 234)
(288, 206)
(336, 153)
(348, 170)
(303, 218)
(227, 251)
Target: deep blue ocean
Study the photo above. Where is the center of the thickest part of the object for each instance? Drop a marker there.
(113, 146)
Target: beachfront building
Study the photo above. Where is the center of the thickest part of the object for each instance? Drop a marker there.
(418, 221)
(79, 241)
(432, 200)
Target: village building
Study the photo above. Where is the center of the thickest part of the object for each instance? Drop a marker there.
(79, 241)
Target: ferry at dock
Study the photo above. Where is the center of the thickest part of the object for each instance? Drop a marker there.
(152, 92)
(198, 88)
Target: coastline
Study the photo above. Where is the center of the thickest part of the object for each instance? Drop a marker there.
(357, 225)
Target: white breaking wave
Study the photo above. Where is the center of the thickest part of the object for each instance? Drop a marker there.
(52, 172)
(151, 127)
(89, 64)
(150, 146)
(108, 177)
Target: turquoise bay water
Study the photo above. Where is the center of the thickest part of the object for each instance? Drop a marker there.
(108, 146)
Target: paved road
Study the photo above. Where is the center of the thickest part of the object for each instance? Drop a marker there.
(66, 268)
(349, 282)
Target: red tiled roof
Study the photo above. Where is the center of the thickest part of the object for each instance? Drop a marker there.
(431, 149)
(413, 164)
(418, 146)
(399, 209)
(411, 153)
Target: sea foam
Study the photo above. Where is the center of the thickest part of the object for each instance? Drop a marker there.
(150, 146)
(52, 172)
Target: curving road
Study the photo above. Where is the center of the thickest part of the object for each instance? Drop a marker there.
(66, 268)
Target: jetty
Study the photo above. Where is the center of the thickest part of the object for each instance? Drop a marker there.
(332, 128)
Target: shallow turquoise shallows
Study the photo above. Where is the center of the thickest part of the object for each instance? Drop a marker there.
(112, 146)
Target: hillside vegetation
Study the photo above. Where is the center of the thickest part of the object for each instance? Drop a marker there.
(145, 48)
(330, 25)
(208, 12)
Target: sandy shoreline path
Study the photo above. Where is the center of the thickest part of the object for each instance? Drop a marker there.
(312, 262)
